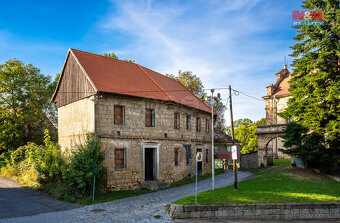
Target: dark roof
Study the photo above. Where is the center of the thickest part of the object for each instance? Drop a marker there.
(122, 77)
(223, 137)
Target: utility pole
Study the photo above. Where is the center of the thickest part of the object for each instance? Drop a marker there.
(212, 141)
(232, 135)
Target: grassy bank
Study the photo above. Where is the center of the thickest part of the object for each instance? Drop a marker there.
(61, 192)
(278, 184)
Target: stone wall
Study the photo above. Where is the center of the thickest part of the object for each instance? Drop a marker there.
(249, 160)
(74, 121)
(271, 115)
(134, 125)
(133, 135)
(289, 211)
(96, 114)
(134, 174)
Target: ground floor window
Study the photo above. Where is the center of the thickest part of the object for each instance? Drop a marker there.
(177, 154)
(120, 159)
(207, 156)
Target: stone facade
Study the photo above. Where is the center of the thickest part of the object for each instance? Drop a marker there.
(134, 137)
(269, 140)
(74, 120)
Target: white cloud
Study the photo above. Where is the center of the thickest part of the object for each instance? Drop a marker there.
(220, 46)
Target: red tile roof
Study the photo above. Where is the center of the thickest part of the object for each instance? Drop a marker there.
(121, 77)
(281, 87)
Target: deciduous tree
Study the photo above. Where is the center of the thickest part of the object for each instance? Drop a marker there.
(244, 131)
(24, 105)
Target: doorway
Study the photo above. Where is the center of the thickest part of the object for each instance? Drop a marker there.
(199, 164)
(150, 163)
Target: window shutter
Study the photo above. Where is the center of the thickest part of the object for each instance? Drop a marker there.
(198, 125)
(148, 118)
(176, 157)
(119, 159)
(118, 113)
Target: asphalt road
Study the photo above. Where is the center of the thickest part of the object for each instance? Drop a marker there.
(146, 208)
(16, 201)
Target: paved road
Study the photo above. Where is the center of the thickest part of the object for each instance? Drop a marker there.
(17, 201)
(143, 208)
(257, 221)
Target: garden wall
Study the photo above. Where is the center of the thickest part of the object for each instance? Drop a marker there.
(289, 211)
(249, 160)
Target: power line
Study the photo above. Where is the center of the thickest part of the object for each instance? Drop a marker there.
(236, 92)
(240, 92)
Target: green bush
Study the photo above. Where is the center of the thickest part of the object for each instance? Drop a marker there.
(44, 166)
(49, 161)
(78, 171)
(32, 164)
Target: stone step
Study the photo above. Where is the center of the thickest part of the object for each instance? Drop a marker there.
(154, 185)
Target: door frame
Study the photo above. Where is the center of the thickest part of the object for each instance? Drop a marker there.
(156, 155)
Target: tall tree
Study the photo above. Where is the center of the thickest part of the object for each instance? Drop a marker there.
(315, 83)
(244, 131)
(190, 81)
(114, 56)
(219, 108)
(24, 104)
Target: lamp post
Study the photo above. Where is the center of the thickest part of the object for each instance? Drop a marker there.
(212, 139)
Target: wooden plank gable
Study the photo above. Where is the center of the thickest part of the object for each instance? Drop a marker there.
(74, 84)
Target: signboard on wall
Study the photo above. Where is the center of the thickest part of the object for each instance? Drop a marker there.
(199, 156)
(234, 152)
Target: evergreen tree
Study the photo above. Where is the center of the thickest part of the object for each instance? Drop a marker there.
(315, 83)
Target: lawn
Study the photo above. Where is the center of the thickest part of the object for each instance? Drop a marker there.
(278, 184)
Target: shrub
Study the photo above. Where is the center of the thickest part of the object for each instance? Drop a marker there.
(78, 172)
(49, 161)
(32, 164)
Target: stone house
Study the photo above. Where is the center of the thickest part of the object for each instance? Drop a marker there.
(269, 140)
(149, 125)
(222, 144)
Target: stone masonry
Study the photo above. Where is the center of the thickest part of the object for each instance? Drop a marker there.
(79, 117)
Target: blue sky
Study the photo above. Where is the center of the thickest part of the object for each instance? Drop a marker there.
(232, 42)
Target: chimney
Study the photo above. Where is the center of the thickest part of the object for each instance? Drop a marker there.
(285, 66)
(270, 90)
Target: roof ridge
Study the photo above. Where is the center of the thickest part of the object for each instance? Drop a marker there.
(140, 67)
(109, 58)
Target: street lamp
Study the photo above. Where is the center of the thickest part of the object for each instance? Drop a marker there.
(212, 137)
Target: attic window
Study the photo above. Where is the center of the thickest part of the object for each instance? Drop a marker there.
(207, 125)
(177, 120)
(198, 124)
(149, 117)
(119, 115)
(188, 122)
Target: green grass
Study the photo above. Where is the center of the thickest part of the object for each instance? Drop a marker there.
(281, 162)
(279, 184)
(60, 192)
(189, 180)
